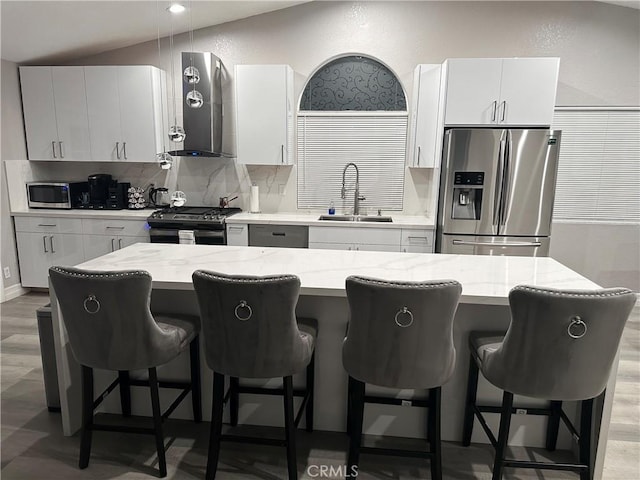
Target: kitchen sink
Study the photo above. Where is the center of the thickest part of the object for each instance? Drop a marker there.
(355, 218)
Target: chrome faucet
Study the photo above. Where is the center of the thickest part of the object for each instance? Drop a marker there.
(356, 197)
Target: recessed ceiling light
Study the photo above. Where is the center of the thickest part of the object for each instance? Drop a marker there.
(176, 8)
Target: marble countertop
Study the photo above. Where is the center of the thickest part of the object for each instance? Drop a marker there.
(484, 279)
(405, 221)
(141, 214)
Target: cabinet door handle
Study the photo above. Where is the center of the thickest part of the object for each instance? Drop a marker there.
(113, 245)
(504, 110)
(124, 150)
(282, 154)
(44, 242)
(51, 240)
(53, 148)
(278, 234)
(494, 111)
(418, 155)
(118, 150)
(46, 224)
(61, 149)
(116, 228)
(119, 243)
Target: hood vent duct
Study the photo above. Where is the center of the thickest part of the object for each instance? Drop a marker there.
(201, 105)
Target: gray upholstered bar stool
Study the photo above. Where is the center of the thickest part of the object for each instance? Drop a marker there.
(110, 327)
(251, 331)
(560, 346)
(400, 335)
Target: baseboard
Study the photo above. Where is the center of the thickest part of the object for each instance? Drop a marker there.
(14, 291)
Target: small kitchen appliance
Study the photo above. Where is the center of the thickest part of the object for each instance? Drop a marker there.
(496, 191)
(159, 197)
(206, 225)
(99, 184)
(57, 194)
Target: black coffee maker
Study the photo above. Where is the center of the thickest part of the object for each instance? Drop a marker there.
(99, 184)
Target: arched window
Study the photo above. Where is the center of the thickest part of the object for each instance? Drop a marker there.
(353, 109)
(353, 83)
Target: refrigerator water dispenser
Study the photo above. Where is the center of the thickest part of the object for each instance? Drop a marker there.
(467, 195)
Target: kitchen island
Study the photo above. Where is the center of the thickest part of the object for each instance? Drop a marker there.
(486, 283)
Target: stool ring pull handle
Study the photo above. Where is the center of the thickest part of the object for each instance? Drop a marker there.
(91, 304)
(404, 311)
(245, 306)
(577, 328)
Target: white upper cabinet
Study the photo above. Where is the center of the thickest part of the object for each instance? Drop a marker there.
(497, 91)
(143, 111)
(264, 114)
(97, 113)
(55, 113)
(426, 117)
(126, 112)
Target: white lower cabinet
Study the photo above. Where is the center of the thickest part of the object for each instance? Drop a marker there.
(106, 236)
(42, 245)
(417, 241)
(355, 238)
(238, 235)
(47, 241)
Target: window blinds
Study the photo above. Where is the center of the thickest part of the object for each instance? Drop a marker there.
(599, 165)
(374, 141)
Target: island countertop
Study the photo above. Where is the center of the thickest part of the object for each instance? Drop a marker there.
(485, 279)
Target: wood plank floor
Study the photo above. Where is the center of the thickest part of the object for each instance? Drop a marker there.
(33, 447)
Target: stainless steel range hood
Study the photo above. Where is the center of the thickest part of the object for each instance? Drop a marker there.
(201, 105)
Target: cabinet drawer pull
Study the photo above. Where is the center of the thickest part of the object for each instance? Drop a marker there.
(113, 247)
(47, 225)
(119, 243)
(418, 155)
(44, 242)
(116, 228)
(61, 149)
(278, 234)
(124, 150)
(118, 150)
(53, 148)
(51, 240)
(282, 154)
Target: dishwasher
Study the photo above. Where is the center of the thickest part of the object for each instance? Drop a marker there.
(287, 236)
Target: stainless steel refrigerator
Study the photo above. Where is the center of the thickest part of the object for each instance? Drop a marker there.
(496, 191)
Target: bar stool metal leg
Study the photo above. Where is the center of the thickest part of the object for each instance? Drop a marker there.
(586, 431)
(310, 393)
(234, 400)
(553, 425)
(157, 421)
(503, 435)
(472, 390)
(196, 385)
(215, 434)
(357, 416)
(290, 428)
(87, 416)
(434, 433)
(125, 392)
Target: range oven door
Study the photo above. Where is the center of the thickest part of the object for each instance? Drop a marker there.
(202, 237)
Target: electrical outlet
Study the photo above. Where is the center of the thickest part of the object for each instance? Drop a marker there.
(7, 272)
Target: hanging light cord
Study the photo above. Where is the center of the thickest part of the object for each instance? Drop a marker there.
(164, 145)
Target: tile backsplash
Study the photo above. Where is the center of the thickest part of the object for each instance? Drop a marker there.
(204, 181)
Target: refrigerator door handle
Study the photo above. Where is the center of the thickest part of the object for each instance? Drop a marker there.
(497, 194)
(506, 183)
(489, 244)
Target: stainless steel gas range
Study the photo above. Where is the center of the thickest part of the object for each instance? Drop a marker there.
(200, 225)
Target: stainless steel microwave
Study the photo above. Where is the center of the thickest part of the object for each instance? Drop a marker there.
(56, 194)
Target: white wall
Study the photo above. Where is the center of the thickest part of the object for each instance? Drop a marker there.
(598, 45)
(13, 147)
